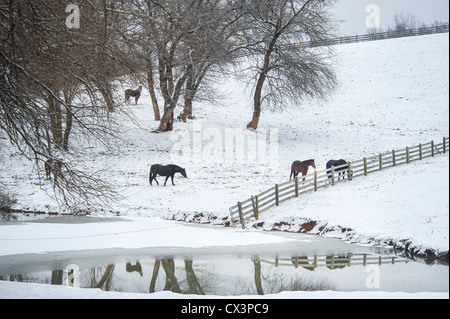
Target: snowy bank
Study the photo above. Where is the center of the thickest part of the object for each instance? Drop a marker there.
(14, 290)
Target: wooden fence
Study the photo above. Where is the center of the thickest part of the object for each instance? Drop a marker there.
(255, 205)
(379, 36)
(334, 261)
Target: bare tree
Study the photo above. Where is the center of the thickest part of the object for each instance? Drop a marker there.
(44, 69)
(183, 41)
(212, 48)
(283, 69)
(405, 21)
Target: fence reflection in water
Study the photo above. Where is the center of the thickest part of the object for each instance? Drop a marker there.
(221, 276)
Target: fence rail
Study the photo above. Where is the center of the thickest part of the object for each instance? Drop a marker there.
(334, 261)
(274, 196)
(379, 36)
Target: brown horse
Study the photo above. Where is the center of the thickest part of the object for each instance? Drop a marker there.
(52, 166)
(133, 93)
(302, 167)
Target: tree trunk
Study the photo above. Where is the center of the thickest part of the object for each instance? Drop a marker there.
(257, 102)
(154, 275)
(151, 89)
(171, 280)
(54, 112)
(57, 277)
(107, 96)
(166, 123)
(108, 272)
(170, 102)
(69, 120)
(187, 111)
(258, 281)
(262, 78)
(194, 285)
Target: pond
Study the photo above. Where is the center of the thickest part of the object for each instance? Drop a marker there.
(312, 263)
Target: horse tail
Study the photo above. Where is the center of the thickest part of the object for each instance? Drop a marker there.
(292, 171)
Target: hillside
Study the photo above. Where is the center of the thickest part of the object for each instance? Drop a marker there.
(391, 94)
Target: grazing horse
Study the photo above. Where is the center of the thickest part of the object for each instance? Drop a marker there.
(133, 93)
(342, 167)
(168, 171)
(302, 167)
(52, 166)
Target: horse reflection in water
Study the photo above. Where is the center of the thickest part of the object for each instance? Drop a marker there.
(134, 268)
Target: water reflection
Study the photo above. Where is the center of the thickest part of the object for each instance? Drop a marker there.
(235, 275)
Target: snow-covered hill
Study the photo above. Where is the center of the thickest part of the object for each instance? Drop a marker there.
(391, 94)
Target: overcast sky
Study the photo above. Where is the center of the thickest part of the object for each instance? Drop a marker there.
(353, 12)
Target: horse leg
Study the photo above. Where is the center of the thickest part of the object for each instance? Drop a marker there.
(172, 179)
(154, 177)
(166, 180)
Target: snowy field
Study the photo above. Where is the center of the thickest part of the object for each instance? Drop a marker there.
(391, 94)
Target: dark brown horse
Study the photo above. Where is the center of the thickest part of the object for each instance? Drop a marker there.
(301, 167)
(341, 167)
(167, 171)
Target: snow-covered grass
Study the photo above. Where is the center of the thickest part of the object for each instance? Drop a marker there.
(40, 291)
(392, 94)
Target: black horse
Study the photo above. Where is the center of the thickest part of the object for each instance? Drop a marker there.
(168, 171)
(341, 167)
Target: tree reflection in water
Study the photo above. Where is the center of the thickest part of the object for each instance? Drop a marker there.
(235, 275)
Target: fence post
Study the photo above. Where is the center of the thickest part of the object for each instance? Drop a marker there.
(255, 207)
(296, 186)
(315, 181)
(394, 162)
(332, 175)
(241, 216)
(365, 166)
(432, 148)
(444, 146)
(381, 161)
(407, 155)
(277, 199)
(232, 219)
(350, 173)
(420, 151)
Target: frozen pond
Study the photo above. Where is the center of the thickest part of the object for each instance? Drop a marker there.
(310, 263)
